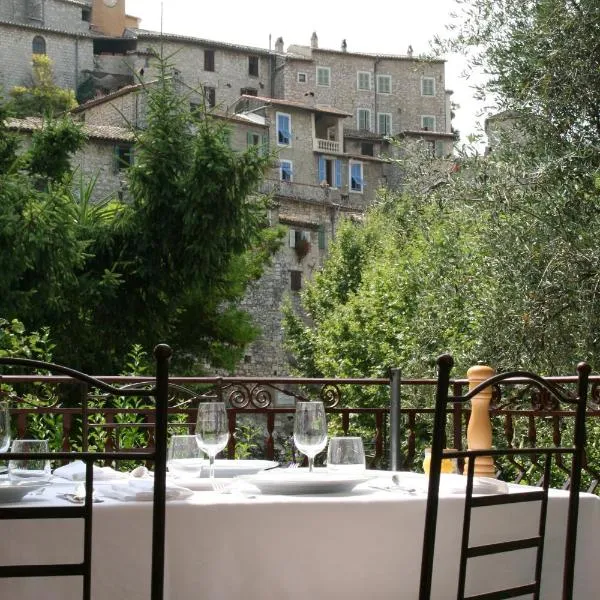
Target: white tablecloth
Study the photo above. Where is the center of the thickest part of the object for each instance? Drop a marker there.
(363, 544)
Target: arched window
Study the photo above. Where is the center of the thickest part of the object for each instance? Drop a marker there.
(38, 45)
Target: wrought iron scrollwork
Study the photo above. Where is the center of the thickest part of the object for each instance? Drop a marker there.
(330, 395)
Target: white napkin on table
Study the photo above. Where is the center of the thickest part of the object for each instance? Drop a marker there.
(75, 471)
(142, 490)
(457, 484)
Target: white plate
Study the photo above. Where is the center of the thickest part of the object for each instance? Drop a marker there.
(451, 483)
(233, 468)
(201, 484)
(301, 481)
(14, 493)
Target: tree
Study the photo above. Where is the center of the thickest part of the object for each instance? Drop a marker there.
(42, 97)
(169, 266)
(496, 260)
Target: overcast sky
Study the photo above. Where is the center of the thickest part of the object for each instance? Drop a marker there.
(376, 26)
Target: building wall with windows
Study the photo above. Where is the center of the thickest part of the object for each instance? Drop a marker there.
(227, 69)
(64, 15)
(70, 54)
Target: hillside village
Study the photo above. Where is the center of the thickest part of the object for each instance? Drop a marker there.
(330, 115)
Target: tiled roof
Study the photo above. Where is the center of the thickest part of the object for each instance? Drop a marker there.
(84, 34)
(371, 55)
(103, 132)
(128, 89)
(146, 34)
(293, 104)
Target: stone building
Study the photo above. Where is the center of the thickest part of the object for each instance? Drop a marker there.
(330, 115)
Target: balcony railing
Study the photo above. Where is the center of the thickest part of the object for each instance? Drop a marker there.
(333, 146)
(395, 423)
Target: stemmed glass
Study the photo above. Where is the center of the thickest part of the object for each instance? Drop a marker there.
(310, 429)
(4, 427)
(212, 431)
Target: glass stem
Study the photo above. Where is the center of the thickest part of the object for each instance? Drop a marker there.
(311, 461)
(211, 463)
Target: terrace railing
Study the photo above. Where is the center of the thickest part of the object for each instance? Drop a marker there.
(394, 418)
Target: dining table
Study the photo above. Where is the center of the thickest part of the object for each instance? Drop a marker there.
(234, 540)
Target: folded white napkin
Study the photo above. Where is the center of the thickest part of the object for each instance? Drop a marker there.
(457, 484)
(75, 471)
(142, 490)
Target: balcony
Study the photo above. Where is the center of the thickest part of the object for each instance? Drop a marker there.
(330, 146)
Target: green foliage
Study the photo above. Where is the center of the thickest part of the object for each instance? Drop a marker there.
(43, 97)
(170, 265)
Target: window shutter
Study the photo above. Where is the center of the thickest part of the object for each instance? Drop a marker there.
(321, 237)
(322, 170)
(338, 173)
(292, 238)
(116, 159)
(249, 138)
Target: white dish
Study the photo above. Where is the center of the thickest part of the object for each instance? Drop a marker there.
(301, 481)
(199, 484)
(13, 493)
(233, 468)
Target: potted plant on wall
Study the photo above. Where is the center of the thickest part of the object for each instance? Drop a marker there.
(302, 248)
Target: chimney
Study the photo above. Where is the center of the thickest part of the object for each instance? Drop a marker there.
(344, 46)
(314, 40)
(279, 44)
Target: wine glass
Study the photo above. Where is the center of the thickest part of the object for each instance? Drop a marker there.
(4, 427)
(212, 431)
(310, 429)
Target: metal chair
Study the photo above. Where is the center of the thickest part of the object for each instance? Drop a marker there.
(546, 454)
(158, 455)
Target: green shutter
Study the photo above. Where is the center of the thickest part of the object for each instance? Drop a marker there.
(321, 237)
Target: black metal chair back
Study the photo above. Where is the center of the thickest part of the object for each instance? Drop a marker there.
(158, 455)
(576, 451)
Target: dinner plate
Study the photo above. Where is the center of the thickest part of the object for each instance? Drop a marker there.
(14, 492)
(301, 481)
(199, 484)
(233, 468)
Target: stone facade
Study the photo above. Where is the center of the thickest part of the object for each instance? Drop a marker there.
(327, 114)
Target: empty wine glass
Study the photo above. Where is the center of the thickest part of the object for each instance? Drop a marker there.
(310, 429)
(212, 431)
(4, 427)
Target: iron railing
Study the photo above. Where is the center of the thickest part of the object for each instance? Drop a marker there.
(395, 423)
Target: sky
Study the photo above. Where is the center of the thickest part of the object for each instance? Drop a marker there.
(376, 26)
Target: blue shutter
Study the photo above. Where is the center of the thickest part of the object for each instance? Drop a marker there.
(322, 171)
(338, 173)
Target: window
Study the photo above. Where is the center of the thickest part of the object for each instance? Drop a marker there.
(427, 86)
(295, 281)
(284, 126)
(324, 76)
(384, 84)
(34, 9)
(428, 123)
(123, 157)
(248, 92)
(301, 77)
(210, 96)
(367, 149)
(209, 60)
(285, 170)
(253, 66)
(38, 45)
(253, 139)
(363, 80)
(364, 119)
(356, 177)
(86, 14)
(384, 123)
(329, 172)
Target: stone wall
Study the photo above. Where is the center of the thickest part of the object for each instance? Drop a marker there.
(70, 55)
(231, 67)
